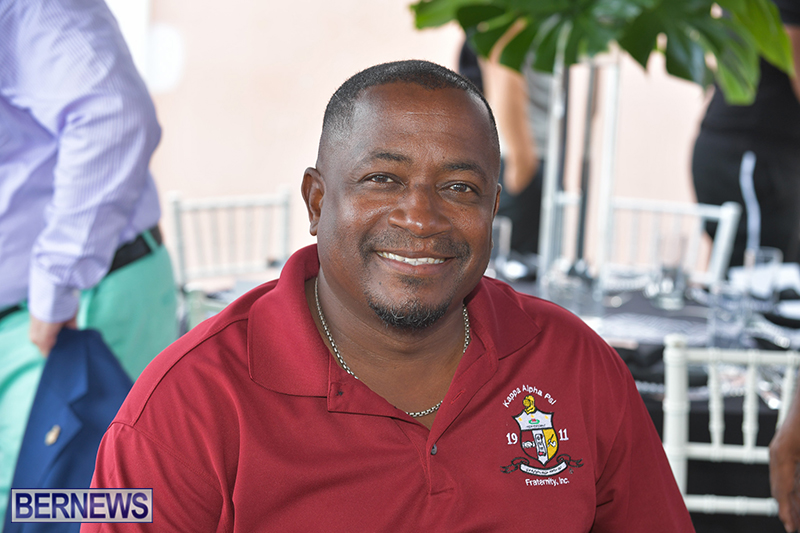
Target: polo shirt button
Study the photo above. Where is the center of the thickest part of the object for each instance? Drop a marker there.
(433, 450)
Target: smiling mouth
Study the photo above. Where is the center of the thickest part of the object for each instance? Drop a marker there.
(415, 261)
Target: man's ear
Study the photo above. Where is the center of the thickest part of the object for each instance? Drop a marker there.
(313, 190)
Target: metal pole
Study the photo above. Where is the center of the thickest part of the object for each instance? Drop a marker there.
(548, 226)
(605, 219)
(579, 267)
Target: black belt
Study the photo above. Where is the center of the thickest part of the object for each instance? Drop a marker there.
(125, 255)
(134, 250)
(8, 310)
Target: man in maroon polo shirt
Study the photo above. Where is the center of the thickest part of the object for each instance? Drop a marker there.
(382, 384)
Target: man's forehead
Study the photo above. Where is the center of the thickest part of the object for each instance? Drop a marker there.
(410, 96)
(403, 108)
(395, 110)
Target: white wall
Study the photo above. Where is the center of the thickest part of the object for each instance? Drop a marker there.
(245, 114)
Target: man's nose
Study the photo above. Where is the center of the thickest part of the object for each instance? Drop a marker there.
(420, 211)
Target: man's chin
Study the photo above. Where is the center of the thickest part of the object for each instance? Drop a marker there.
(413, 316)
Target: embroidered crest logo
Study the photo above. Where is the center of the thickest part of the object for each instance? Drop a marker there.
(538, 438)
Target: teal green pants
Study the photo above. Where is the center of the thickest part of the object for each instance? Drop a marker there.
(134, 308)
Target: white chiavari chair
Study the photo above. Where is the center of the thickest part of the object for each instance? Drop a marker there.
(221, 240)
(637, 227)
(678, 447)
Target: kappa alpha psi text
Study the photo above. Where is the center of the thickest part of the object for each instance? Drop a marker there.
(538, 438)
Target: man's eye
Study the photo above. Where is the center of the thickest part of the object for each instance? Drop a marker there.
(380, 178)
(460, 187)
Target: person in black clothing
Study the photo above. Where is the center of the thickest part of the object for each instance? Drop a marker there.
(521, 102)
(751, 155)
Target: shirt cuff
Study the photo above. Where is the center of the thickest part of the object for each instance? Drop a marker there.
(50, 302)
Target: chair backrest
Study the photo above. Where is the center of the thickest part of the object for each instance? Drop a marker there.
(229, 236)
(637, 228)
(678, 447)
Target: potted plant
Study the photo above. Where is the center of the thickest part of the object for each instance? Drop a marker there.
(703, 40)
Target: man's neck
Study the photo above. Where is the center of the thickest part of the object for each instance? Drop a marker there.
(412, 370)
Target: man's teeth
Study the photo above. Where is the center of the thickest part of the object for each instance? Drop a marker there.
(412, 260)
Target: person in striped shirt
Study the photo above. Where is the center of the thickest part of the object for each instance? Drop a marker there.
(79, 210)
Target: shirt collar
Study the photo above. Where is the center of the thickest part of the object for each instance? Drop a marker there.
(286, 353)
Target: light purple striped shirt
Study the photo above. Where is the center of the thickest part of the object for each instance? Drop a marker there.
(77, 130)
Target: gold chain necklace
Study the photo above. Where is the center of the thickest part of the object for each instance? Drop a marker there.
(414, 414)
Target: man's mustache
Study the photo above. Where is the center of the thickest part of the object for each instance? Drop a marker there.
(441, 246)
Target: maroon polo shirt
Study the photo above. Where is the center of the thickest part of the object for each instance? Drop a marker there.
(248, 424)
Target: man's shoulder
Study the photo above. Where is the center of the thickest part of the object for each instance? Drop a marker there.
(518, 300)
(211, 354)
(510, 319)
(519, 315)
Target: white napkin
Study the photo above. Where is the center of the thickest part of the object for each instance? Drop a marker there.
(788, 278)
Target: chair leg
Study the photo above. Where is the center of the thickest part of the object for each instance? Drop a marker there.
(676, 407)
